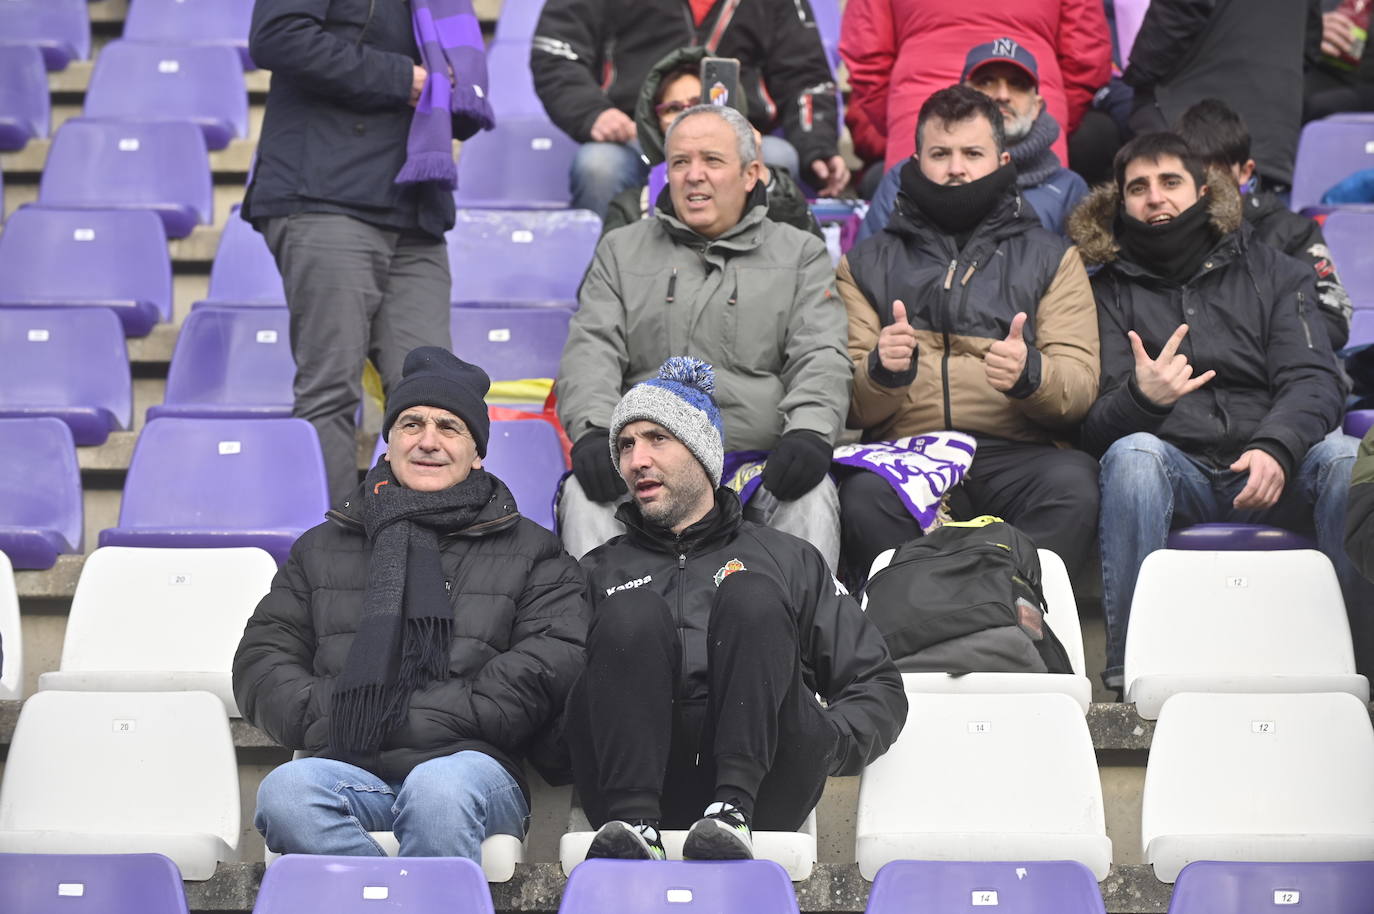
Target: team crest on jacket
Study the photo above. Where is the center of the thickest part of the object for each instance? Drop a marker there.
(728, 569)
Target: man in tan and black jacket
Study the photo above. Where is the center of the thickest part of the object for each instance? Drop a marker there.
(966, 315)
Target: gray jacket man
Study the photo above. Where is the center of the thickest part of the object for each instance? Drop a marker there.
(712, 277)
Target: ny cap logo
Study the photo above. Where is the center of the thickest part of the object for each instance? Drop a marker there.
(1004, 47)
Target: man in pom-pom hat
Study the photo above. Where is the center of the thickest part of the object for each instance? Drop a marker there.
(711, 637)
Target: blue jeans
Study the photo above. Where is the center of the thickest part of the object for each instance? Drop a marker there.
(445, 807)
(602, 170)
(1149, 487)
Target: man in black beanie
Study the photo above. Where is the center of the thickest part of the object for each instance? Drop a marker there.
(965, 314)
(415, 644)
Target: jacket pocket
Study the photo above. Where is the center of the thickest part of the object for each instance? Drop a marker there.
(352, 157)
(754, 325)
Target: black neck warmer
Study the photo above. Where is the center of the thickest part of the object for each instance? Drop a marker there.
(1172, 250)
(956, 209)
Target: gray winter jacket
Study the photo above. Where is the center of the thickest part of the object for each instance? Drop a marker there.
(758, 303)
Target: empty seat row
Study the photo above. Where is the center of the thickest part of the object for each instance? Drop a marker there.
(61, 29)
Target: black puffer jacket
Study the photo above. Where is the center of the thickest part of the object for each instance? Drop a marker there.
(520, 622)
(1252, 318)
(338, 115)
(1301, 238)
(844, 658)
(591, 55)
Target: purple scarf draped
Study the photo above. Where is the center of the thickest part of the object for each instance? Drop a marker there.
(454, 98)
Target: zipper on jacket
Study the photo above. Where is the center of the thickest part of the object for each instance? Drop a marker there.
(949, 274)
(949, 321)
(367, 24)
(672, 287)
(1302, 316)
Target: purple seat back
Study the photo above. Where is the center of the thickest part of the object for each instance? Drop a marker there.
(827, 15)
(203, 85)
(1328, 151)
(523, 164)
(244, 271)
(222, 482)
(1361, 327)
(1042, 887)
(512, 83)
(25, 107)
(161, 166)
(364, 885)
(1237, 538)
(231, 363)
(116, 259)
(1211, 887)
(675, 886)
(40, 491)
(70, 363)
(511, 343)
(517, 20)
(1350, 235)
(1129, 15)
(1358, 422)
(528, 457)
(192, 22)
(91, 884)
(520, 256)
(61, 29)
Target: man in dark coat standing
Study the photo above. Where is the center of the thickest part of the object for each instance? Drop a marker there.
(414, 645)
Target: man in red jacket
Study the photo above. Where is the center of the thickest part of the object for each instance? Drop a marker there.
(899, 52)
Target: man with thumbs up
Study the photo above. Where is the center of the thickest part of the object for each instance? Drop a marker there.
(1220, 398)
(965, 314)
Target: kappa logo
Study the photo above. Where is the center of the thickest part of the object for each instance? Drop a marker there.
(728, 569)
(1004, 47)
(630, 585)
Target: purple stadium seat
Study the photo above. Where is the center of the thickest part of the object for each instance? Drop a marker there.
(69, 363)
(1358, 422)
(1213, 887)
(677, 886)
(91, 884)
(1328, 150)
(231, 363)
(517, 20)
(528, 457)
(363, 885)
(244, 271)
(1349, 234)
(160, 166)
(511, 343)
(827, 16)
(203, 85)
(1237, 538)
(61, 29)
(114, 259)
(222, 482)
(522, 164)
(25, 108)
(1361, 327)
(192, 22)
(40, 491)
(521, 256)
(1042, 887)
(512, 83)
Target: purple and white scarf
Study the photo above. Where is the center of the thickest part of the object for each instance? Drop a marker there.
(921, 468)
(453, 103)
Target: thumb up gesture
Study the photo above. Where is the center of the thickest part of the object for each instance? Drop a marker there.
(1006, 359)
(897, 341)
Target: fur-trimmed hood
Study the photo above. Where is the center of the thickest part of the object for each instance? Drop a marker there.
(1092, 226)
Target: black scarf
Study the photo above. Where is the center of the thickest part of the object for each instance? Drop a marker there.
(407, 624)
(1032, 156)
(956, 209)
(1175, 249)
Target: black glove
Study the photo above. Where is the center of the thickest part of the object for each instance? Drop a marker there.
(796, 465)
(591, 464)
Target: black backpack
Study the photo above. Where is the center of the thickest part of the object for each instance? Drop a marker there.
(966, 598)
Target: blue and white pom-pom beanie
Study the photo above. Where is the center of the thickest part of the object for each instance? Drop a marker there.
(680, 400)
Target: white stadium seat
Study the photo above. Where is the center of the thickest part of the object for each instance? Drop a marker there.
(11, 635)
(1237, 622)
(1259, 777)
(985, 777)
(123, 772)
